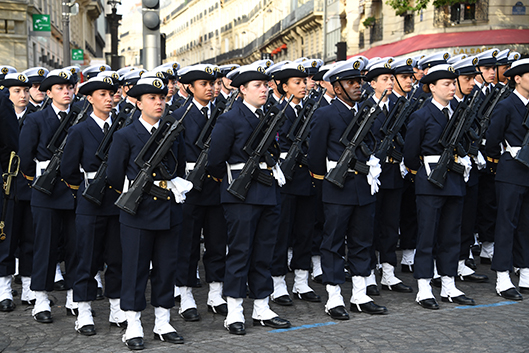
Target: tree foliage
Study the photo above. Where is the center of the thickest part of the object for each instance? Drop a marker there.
(401, 7)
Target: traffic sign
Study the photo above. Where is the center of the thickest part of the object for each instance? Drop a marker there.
(77, 54)
(41, 23)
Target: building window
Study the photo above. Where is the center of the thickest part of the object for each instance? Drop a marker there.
(409, 23)
(361, 42)
(376, 31)
(462, 12)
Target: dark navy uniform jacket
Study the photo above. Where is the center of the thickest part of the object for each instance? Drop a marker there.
(229, 136)
(194, 123)
(301, 183)
(327, 127)
(36, 133)
(422, 139)
(390, 178)
(81, 146)
(152, 214)
(8, 131)
(23, 185)
(506, 125)
(124, 103)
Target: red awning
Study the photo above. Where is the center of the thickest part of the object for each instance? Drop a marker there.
(447, 40)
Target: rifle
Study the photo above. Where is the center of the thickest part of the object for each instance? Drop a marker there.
(196, 176)
(522, 155)
(45, 103)
(46, 181)
(450, 139)
(368, 112)
(288, 165)
(95, 190)
(162, 139)
(269, 126)
(7, 178)
(231, 100)
(396, 119)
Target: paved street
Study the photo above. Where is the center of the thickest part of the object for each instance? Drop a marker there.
(495, 325)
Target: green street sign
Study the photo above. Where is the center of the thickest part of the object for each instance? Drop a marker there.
(77, 54)
(41, 23)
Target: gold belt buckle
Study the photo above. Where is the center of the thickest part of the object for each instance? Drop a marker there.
(163, 184)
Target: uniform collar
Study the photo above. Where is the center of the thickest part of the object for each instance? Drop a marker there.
(522, 98)
(57, 110)
(148, 126)
(100, 122)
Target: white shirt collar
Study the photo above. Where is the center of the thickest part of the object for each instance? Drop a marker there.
(181, 95)
(251, 107)
(380, 103)
(148, 126)
(329, 99)
(277, 98)
(224, 94)
(348, 106)
(57, 110)
(200, 106)
(293, 105)
(522, 98)
(441, 107)
(19, 116)
(102, 122)
(127, 100)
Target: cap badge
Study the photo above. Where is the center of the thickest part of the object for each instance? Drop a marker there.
(40, 72)
(157, 83)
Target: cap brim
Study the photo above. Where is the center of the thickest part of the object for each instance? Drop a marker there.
(517, 70)
(11, 82)
(90, 86)
(139, 90)
(54, 80)
(438, 75)
(248, 76)
(288, 73)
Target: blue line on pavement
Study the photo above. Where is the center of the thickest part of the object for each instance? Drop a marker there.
(485, 305)
(304, 326)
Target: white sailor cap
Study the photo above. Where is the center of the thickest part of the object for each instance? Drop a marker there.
(434, 59)
(166, 70)
(291, 69)
(225, 69)
(102, 81)
(36, 74)
(467, 66)
(345, 70)
(125, 70)
(488, 57)
(438, 72)
(147, 85)
(519, 67)
(56, 77)
(312, 66)
(6, 69)
(15, 79)
(322, 71)
(198, 72)
(503, 57)
(513, 56)
(266, 63)
(403, 66)
(247, 73)
(380, 67)
(132, 77)
(300, 60)
(275, 68)
(457, 58)
(114, 75)
(93, 70)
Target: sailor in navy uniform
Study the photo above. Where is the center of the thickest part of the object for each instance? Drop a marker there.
(274, 95)
(151, 234)
(511, 238)
(203, 213)
(252, 223)
(53, 215)
(297, 200)
(466, 266)
(98, 240)
(487, 208)
(8, 143)
(169, 71)
(349, 212)
(36, 97)
(4, 70)
(316, 270)
(439, 211)
(129, 102)
(225, 83)
(386, 231)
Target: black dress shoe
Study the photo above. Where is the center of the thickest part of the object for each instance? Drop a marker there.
(318, 279)
(283, 300)
(190, 314)
(236, 328)
(87, 330)
(372, 290)
(511, 294)
(43, 317)
(171, 337)
(406, 268)
(309, 297)
(460, 299)
(135, 344)
(436, 282)
(59, 285)
(338, 313)
(524, 290)
(485, 260)
(28, 302)
(475, 278)
(7, 305)
(99, 295)
(429, 303)
(369, 308)
(275, 322)
(221, 309)
(399, 287)
(470, 263)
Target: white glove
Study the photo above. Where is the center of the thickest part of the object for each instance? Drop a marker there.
(179, 187)
(480, 161)
(465, 162)
(374, 173)
(403, 170)
(278, 175)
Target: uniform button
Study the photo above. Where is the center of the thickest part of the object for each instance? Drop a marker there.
(168, 197)
(155, 198)
(153, 174)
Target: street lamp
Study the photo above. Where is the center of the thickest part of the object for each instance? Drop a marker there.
(68, 9)
(113, 21)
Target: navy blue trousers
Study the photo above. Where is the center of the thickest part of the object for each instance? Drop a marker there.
(139, 248)
(387, 216)
(468, 223)
(50, 224)
(439, 220)
(98, 242)
(355, 223)
(252, 234)
(487, 208)
(511, 240)
(408, 217)
(9, 245)
(23, 227)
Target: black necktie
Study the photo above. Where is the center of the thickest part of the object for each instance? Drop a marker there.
(446, 113)
(385, 110)
(105, 127)
(62, 115)
(298, 109)
(153, 130)
(259, 113)
(353, 111)
(205, 112)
